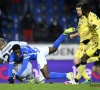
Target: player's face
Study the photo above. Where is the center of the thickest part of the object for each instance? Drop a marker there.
(17, 53)
(79, 11)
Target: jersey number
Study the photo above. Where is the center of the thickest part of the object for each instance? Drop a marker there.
(6, 54)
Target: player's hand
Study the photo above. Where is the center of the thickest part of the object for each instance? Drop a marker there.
(11, 80)
(97, 53)
(19, 78)
(71, 36)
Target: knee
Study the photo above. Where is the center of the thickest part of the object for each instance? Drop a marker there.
(84, 58)
(76, 61)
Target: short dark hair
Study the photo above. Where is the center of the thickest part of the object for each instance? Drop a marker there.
(79, 4)
(86, 7)
(15, 47)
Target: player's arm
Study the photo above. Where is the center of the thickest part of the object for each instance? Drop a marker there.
(74, 35)
(24, 65)
(10, 68)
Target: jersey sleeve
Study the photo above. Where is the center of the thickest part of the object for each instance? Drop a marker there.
(11, 65)
(25, 62)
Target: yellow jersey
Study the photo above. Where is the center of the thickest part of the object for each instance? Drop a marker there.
(93, 24)
(83, 29)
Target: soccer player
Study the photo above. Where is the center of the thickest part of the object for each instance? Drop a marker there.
(94, 50)
(85, 37)
(39, 54)
(5, 51)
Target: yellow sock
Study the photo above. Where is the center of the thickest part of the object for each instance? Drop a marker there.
(81, 68)
(85, 75)
(92, 59)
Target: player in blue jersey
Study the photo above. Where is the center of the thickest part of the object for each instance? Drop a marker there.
(39, 54)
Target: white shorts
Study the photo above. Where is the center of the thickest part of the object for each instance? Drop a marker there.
(26, 72)
(41, 57)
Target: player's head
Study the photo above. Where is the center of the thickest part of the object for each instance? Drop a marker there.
(86, 8)
(2, 43)
(78, 9)
(17, 50)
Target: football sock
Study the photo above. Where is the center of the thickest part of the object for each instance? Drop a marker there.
(55, 75)
(59, 41)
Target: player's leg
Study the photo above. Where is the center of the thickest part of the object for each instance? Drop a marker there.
(90, 52)
(80, 52)
(42, 64)
(60, 40)
(55, 75)
(30, 77)
(39, 79)
(27, 71)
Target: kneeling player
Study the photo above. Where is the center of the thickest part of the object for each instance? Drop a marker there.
(5, 51)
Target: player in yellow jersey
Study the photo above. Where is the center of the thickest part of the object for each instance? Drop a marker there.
(85, 37)
(94, 50)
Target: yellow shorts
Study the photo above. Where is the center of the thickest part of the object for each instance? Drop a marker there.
(80, 51)
(91, 50)
(82, 48)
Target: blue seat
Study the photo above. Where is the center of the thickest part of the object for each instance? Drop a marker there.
(74, 20)
(15, 37)
(49, 19)
(5, 33)
(37, 2)
(63, 21)
(67, 39)
(48, 2)
(13, 17)
(59, 2)
(76, 40)
(49, 10)
(14, 28)
(59, 9)
(37, 10)
(38, 18)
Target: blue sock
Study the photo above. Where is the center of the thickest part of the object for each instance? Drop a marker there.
(59, 41)
(55, 75)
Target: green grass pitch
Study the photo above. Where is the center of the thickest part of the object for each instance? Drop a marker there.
(54, 86)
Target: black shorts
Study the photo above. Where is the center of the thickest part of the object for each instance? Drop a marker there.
(97, 63)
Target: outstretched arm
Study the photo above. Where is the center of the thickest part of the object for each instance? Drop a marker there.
(11, 65)
(74, 35)
(24, 66)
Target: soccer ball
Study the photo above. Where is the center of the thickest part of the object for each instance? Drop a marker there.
(39, 79)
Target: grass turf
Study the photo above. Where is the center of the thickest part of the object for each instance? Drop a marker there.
(55, 86)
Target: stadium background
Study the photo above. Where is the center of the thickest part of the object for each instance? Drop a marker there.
(40, 22)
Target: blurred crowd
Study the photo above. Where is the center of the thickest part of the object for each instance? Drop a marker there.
(39, 21)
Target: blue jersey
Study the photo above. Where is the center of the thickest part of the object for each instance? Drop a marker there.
(27, 53)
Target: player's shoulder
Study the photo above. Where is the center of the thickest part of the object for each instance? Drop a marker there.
(12, 54)
(92, 15)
